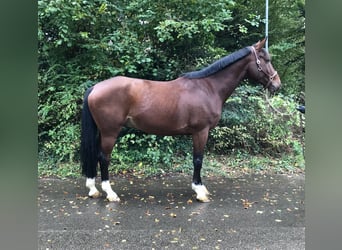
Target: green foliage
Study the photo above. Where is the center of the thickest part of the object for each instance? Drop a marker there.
(137, 151)
(82, 42)
(286, 36)
(257, 124)
(288, 43)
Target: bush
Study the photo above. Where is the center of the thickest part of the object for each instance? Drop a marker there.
(137, 150)
(59, 114)
(83, 42)
(259, 125)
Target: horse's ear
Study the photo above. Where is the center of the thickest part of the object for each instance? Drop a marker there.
(259, 45)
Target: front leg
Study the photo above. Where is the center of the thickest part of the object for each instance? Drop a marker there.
(199, 141)
(111, 195)
(201, 191)
(197, 186)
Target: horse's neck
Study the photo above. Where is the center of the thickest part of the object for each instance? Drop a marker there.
(227, 80)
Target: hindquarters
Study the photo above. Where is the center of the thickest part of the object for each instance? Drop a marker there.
(109, 103)
(98, 135)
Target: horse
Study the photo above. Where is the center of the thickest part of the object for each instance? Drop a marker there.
(188, 105)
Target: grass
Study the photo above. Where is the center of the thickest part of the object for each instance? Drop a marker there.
(233, 165)
(61, 170)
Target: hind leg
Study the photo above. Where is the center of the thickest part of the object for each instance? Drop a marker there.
(107, 144)
(93, 192)
(104, 163)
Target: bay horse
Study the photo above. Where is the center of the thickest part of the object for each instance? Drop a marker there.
(189, 105)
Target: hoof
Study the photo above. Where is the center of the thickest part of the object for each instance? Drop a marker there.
(95, 194)
(111, 195)
(205, 190)
(203, 199)
(113, 198)
(202, 192)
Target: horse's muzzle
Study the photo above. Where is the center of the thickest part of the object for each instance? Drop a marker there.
(273, 87)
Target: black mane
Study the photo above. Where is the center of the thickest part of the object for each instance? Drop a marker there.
(219, 64)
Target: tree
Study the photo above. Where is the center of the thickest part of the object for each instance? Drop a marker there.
(286, 36)
(81, 42)
(288, 43)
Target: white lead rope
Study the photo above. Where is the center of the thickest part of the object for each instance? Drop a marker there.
(274, 108)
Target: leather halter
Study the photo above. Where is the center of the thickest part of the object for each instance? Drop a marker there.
(270, 77)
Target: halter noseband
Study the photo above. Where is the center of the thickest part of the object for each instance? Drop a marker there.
(271, 77)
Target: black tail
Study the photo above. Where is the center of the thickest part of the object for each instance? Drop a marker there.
(89, 140)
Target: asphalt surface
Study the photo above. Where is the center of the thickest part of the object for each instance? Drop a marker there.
(250, 212)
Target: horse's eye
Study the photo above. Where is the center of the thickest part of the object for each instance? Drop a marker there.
(267, 60)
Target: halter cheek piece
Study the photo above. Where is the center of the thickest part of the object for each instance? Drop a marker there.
(270, 77)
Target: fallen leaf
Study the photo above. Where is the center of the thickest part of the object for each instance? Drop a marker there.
(82, 198)
(247, 204)
(173, 215)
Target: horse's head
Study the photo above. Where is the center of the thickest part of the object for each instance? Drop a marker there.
(261, 70)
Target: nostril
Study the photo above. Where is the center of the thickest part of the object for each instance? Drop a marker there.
(273, 88)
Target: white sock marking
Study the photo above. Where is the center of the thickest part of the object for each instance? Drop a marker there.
(111, 195)
(201, 191)
(93, 192)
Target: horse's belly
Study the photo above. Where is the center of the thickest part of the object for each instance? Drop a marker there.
(158, 126)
